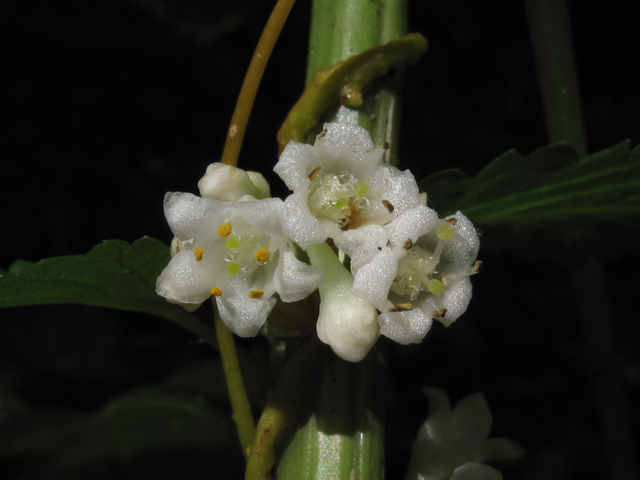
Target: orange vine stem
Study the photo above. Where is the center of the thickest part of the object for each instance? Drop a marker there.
(240, 117)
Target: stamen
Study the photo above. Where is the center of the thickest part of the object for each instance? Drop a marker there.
(445, 232)
(314, 173)
(477, 266)
(362, 189)
(256, 293)
(233, 268)
(215, 291)
(401, 307)
(198, 253)
(224, 230)
(233, 243)
(452, 220)
(321, 134)
(435, 286)
(263, 255)
(387, 204)
(439, 314)
(408, 244)
(385, 145)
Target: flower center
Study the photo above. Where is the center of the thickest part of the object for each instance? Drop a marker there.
(417, 269)
(336, 197)
(246, 247)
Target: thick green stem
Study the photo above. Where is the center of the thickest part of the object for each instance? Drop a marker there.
(551, 35)
(339, 434)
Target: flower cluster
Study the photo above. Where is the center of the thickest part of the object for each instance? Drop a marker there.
(407, 266)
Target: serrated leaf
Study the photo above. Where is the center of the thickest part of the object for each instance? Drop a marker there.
(555, 204)
(114, 274)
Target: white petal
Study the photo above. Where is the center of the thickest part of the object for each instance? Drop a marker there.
(455, 299)
(362, 244)
(294, 162)
(243, 315)
(300, 225)
(405, 327)
(397, 187)
(373, 280)
(463, 248)
(411, 225)
(184, 280)
(295, 280)
(475, 471)
(190, 216)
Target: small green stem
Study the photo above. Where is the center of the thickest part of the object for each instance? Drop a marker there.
(551, 35)
(553, 49)
(252, 80)
(242, 415)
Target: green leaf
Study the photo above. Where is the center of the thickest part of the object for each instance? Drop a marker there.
(114, 274)
(549, 203)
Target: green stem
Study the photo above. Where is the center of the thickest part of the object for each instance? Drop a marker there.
(551, 35)
(242, 415)
(553, 49)
(340, 433)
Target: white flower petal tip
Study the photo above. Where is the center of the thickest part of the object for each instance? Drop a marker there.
(236, 252)
(226, 183)
(453, 445)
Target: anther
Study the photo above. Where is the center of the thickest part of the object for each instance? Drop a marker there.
(390, 208)
(439, 313)
(477, 266)
(215, 291)
(314, 173)
(224, 230)
(321, 134)
(256, 293)
(198, 253)
(401, 307)
(452, 220)
(385, 145)
(263, 255)
(408, 244)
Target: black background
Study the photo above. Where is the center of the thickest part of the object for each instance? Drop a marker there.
(107, 105)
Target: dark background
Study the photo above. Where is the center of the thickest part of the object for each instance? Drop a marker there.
(107, 105)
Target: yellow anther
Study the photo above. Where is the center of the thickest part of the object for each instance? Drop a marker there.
(198, 253)
(215, 291)
(256, 293)
(263, 255)
(445, 232)
(224, 230)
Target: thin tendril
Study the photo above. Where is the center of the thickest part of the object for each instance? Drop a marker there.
(249, 90)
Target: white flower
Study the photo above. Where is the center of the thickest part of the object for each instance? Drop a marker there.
(235, 251)
(227, 183)
(431, 280)
(340, 186)
(452, 444)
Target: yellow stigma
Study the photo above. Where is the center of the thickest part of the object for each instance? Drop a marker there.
(224, 229)
(233, 243)
(263, 255)
(256, 293)
(445, 232)
(362, 189)
(233, 268)
(435, 286)
(198, 253)
(215, 291)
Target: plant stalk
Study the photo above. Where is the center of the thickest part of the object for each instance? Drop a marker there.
(551, 38)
